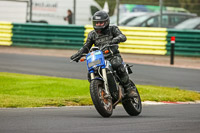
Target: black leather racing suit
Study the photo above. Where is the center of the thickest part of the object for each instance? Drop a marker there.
(114, 36)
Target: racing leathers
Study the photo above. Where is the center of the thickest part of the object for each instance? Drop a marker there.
(111, 35)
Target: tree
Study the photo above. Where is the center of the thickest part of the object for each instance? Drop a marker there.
(190, 5)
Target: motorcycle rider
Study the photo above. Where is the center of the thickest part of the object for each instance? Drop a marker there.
(103, 34)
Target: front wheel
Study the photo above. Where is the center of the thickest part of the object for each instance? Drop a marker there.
(133, 106)
(103, 105)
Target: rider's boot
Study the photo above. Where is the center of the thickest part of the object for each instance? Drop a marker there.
(131, 91)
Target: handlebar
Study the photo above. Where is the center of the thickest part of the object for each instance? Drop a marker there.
(77, 57)
(96, 48)
(107, 45)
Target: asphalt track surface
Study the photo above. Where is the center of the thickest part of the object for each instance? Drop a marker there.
(183, 78)
(181, 118)
(153, 119)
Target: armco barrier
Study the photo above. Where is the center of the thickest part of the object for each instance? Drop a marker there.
(5, 33)
(140, 40)
(187, 42)
(48, 36)
(144, 40)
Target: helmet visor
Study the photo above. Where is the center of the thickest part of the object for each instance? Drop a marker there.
(99, 23)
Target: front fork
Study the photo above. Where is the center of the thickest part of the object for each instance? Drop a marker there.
(105, 81)
(104, 76)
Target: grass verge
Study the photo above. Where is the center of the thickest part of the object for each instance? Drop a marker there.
(21, 90)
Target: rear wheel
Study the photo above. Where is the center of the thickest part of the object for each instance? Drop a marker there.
(102, 104)
(133, 106)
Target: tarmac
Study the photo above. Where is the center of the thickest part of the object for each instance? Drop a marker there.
(158, 60)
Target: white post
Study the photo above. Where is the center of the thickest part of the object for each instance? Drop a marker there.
(160, 18)
(118, 2)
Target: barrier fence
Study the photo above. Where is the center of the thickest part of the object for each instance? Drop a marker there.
(140, 40)
(50, 36)
(187, 42)
(5, 33)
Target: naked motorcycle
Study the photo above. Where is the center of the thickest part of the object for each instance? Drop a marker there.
(106, 88)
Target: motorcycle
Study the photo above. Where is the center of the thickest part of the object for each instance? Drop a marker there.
(106, 88)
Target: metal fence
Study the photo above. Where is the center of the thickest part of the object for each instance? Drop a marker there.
(142, 40)
(54, 11)
(139, 40)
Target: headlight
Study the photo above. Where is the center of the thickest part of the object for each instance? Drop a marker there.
(96, 62)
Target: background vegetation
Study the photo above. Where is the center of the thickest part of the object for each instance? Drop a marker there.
(191, 5)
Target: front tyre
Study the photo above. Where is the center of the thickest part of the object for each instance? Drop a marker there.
(103, 105)
(133, 106)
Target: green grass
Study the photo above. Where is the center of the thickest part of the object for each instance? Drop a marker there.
(20, 90)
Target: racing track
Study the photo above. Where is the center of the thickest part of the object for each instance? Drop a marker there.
(153, 119)
(61, 67)
(184, 118)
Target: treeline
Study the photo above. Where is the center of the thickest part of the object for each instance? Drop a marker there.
(190, 5)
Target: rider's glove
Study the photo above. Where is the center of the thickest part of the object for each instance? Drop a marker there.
(115, 40)
(76, 57)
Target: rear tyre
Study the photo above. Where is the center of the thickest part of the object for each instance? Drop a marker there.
(103, 105)
(133, 106)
